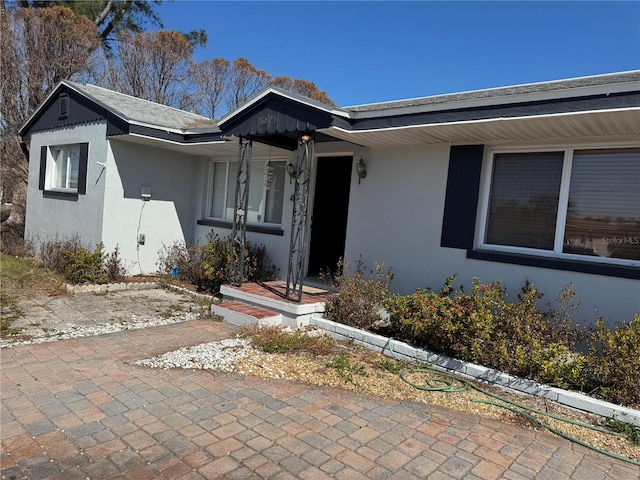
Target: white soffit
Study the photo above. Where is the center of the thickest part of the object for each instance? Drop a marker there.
(575, 125)
(224, 149)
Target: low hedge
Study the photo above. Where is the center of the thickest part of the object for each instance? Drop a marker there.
(482, 326)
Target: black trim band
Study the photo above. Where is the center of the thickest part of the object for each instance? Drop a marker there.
(60, 195)
(210, 222)
(609, 270)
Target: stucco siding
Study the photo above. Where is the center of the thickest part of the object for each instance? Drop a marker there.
(48, 217)
(277, 246)
(395, 218)
(395, 214)
(168, 215)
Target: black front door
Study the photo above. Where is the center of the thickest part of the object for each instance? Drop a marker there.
(330, 210)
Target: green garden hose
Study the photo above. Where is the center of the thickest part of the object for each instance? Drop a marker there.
(440, 381)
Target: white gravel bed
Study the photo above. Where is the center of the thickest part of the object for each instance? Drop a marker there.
(71, 330)
(220, 356)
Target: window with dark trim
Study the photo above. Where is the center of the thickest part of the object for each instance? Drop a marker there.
(63, 168)
(266, 191)
(567, 204)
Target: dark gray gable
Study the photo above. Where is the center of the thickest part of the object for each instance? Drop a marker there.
(66, 108)
(277, 120)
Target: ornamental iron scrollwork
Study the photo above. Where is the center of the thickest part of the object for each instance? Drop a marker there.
(299, 220)
(240, 206)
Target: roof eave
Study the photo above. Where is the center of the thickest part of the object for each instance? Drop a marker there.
(285, 94)
(442, 103)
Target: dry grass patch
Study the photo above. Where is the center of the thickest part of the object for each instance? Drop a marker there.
(25, 278)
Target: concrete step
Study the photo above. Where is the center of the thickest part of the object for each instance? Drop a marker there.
(294, 314)
(240, 313)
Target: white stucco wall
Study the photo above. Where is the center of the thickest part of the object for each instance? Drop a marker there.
(48, 217)
(169, 214)
(395, 218)
(277, 246)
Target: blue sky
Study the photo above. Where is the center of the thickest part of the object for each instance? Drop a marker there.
(364, 52)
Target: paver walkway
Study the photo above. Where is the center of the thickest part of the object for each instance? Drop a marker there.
(78, 409)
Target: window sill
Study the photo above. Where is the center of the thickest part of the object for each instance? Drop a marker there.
(571, 265)
(60, 194)
(251, 227)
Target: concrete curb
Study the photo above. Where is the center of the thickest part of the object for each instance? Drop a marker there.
(176, 288)
(111, 287)
(404, 351)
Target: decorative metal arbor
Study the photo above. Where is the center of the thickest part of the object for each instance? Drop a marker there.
(240, 207)
(299, 219)
(280, 119)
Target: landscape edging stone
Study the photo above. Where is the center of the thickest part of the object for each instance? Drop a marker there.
(491, 376)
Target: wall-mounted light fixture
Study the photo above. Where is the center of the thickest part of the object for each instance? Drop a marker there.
(305, 138)
(361, 170)
(291, 170)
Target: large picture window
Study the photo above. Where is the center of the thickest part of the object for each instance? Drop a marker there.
(569, 202)
(266, 191)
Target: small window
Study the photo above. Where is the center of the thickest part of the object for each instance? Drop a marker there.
(65, 168)
(266, 191)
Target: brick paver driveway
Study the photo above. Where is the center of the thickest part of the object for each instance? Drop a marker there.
(78, 409)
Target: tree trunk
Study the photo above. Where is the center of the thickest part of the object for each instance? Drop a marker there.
(19, 207)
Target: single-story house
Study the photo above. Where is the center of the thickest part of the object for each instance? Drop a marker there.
(537, 182)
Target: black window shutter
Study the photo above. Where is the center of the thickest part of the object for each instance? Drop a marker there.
(43, 167)
(82, 168)
(461, 201)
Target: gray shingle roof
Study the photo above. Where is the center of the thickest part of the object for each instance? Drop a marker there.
(557, 85)
(137, 110)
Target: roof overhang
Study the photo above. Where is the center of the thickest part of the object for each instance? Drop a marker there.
(223, 148)
(605, 105)
(620, 123)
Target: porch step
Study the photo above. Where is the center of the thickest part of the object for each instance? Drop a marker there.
(270, 296)
(240, 313)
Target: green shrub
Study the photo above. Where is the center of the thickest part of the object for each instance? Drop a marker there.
(459, 325)
(208, 266)
(52, 252)
(614, 362)
(82, 266)
(522, 329)
(216, 262)
(78, 264)
(554, 364)
(359, 298)
(483, 327)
